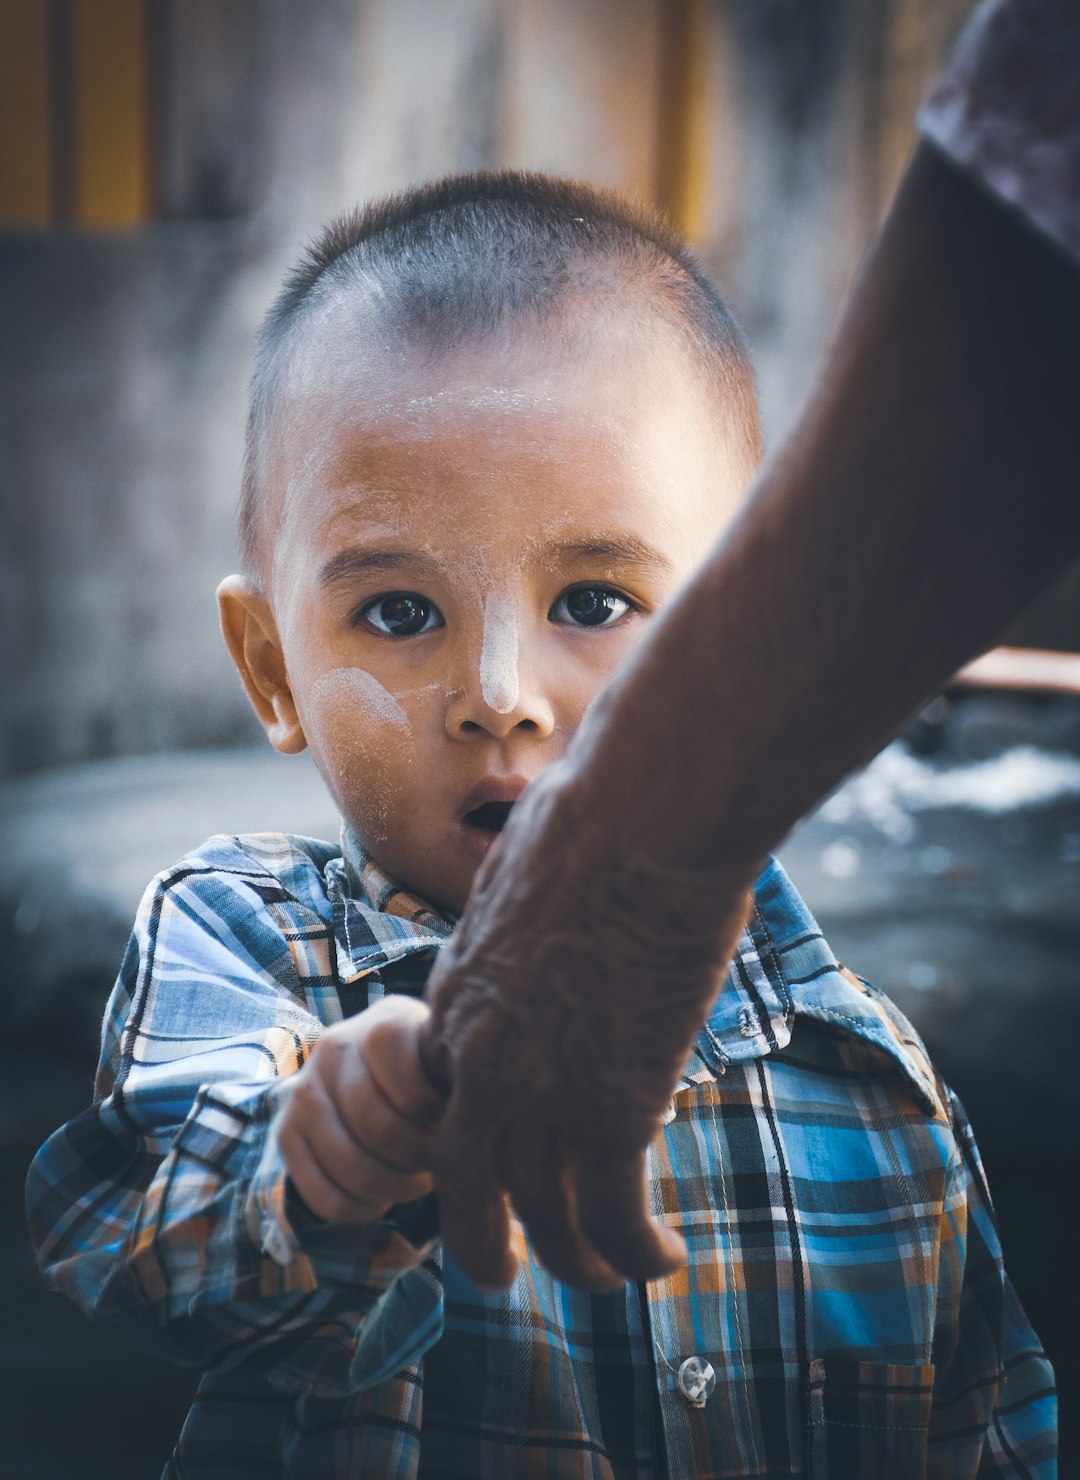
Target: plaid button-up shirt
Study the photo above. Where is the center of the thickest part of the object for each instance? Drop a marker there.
(843, 1311)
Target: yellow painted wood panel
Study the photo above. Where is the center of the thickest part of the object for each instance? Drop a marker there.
(25, 122)
(682, 182)
(110, 113)
(917, 40)
(582, 89)
(722, 158)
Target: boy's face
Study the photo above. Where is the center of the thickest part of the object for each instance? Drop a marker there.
(464, 553)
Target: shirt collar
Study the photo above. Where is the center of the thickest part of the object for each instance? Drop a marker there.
(376, 921)
(783, 969)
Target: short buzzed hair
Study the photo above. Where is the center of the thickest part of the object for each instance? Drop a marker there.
(470, 256)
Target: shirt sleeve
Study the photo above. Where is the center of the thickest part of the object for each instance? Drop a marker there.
(165, 1206)
(995, 1407)
(1007, 111)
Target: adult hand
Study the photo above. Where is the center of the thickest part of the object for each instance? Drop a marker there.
(562, 1016)
(925, 495)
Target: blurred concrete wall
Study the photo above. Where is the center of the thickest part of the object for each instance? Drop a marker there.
(774, 129)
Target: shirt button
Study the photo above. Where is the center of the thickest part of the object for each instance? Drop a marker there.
(696, 1381)
(276, 1244)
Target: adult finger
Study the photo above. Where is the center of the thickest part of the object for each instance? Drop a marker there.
(542, 1191)
(473, 1214)
(614, 1217)
(432, 1051)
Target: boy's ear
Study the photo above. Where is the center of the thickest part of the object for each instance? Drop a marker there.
(251, 636)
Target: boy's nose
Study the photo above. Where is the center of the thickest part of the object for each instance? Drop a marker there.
(497, 692)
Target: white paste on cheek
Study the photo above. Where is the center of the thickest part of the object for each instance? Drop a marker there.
(357, 686)
(411, 693)
(499, 655)
(365, 748)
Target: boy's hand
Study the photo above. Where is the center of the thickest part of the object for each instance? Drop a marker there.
(563, 1011)
(357, 1130)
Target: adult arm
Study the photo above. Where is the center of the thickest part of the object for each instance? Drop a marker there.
(926, 494)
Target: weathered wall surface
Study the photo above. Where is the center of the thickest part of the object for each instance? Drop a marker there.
(123, 356)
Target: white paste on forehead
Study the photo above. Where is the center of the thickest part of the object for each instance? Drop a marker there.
(360, 687)
(499, 654)
(471, 398)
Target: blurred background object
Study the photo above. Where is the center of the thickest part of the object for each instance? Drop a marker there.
(161, 163)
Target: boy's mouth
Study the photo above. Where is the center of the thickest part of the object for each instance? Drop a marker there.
(490, 817)
(485, 810)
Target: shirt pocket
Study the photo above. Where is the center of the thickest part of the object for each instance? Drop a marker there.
(869, 1419)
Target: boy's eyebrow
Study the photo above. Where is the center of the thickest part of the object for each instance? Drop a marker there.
(358, 561)
(627, 549)
(624, 549)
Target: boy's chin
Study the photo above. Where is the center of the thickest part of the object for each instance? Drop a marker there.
(442, 878)
(445, 889)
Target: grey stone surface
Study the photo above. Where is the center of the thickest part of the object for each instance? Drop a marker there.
(80, 844)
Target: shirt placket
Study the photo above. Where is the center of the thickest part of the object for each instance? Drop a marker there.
(684, 1360)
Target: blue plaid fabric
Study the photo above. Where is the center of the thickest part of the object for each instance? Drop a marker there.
(843, 1312)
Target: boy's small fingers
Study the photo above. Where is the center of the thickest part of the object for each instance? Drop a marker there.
(380, 1130)
(390, 1047)
(319, 1190)
(360, 1195)
(340, 1078)
(614, 1217)
(386, 1161)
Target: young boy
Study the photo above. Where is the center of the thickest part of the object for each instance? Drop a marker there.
(494, 424)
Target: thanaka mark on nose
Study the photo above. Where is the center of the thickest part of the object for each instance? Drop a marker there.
(499, 655)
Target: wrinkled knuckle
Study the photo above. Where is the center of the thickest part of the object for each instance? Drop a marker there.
(305, 1088)
(390, 1188)
(304, 1104)
(371, 1182)
(416, 1184)
(407, 1010)
(348, 1206)
(336, 1208)
(324, 1205)
(421, 1162)
(423, 1184)
(334, 1038)
(383, 1041)
(320, 1070)
(292, 1144)
(407, 1163)
(314, 1195)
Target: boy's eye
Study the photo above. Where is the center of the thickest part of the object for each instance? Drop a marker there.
(402, 614)
(590, 606)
